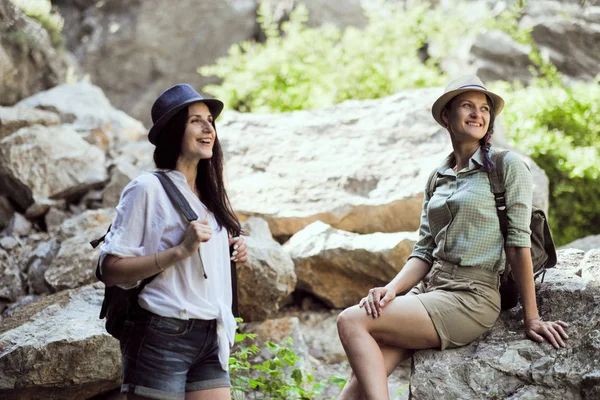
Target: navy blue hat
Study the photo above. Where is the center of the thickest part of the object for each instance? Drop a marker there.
(173, 100)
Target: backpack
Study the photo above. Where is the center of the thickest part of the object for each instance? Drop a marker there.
(119, 304)
(543, 250)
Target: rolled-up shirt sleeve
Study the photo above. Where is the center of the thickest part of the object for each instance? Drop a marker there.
(140, 221)
(425, 245)
(518, 183)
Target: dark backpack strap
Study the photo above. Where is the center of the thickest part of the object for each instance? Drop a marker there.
(176, 197)
(496, 176)
(182, 204)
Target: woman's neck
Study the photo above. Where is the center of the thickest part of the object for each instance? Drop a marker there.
(463, 153)
(189, 168)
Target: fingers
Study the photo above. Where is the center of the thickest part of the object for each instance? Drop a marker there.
(239, 254)
(202, 230)
(361, 303)
(559, 328)
(532, 334)
(373, 299)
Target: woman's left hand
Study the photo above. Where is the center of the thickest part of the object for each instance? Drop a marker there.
(552, 331)
(239, 255)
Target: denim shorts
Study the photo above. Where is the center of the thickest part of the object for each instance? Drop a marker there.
(162, 358)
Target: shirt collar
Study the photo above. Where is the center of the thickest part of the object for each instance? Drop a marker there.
(476, 161)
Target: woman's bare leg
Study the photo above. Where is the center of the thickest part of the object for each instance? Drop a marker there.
(392, 356)
(404, 323)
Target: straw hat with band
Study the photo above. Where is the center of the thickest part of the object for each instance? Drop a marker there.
(173, 100)
(467, 83)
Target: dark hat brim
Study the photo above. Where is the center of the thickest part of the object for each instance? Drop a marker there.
(215, 106)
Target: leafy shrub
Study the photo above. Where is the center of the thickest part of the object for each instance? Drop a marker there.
(558, 127)
(41, 10)
(279, 377)
(305, 68)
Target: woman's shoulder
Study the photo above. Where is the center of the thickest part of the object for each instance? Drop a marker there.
(513, 160)
(144, 184)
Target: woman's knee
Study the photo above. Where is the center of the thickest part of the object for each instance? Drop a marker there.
(349, 321)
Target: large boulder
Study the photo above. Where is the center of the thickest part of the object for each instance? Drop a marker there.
(340, 267)
(57, 348)
(359, 166)
(89, 112)
(75, 263)
(505, 364)
(14, 118)
(585, 243)
(268, 277)
(136, 49)
(29, 62)
(39, 163)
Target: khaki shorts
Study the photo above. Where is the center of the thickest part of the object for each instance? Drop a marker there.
(463, 302)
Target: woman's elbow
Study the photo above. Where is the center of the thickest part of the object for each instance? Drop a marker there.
(109, 271)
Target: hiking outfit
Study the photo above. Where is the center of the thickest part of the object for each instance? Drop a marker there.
(179, 338)
(460, 238)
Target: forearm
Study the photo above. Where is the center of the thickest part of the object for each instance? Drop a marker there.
(129, 270)
(412, 273)
(519, 259)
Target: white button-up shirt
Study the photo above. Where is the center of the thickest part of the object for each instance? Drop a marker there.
(148, 222)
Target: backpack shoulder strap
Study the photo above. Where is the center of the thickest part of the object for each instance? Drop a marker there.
(496, 177)
(176, 197)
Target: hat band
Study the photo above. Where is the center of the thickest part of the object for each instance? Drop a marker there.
(472, 86)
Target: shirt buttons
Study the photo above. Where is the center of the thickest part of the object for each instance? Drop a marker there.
(183, 313)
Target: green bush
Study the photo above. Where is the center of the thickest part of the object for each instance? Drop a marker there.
(277, 378)
(559, 128)
(41, 10)
(305, 68)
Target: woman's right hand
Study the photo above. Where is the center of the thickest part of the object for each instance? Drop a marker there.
(196, 233)
(377, 299)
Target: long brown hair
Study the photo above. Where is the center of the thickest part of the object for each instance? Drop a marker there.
(209, 177)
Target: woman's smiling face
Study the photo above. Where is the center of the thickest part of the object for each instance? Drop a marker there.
(468, 116)
(199, 137)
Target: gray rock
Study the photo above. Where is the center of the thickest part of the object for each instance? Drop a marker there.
(339, 13)
(136, 49)
(29, 62)
(340, 267)
(75, 263)
(504, 364)
(120, 175)
(18, 226)
(70, 165)
(585, 244)
(267, 278)
(11, 282)
(14, 118)
(37, 264)
(57, 348)
(385, 150)
(88, 111)
(7, 212)
(8, 242)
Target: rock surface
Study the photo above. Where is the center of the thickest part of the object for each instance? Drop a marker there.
(90, 113)
(75, 263)
(74, 358)
(29, 63)
(136, 49)
(14, 118)
(38, 163)
(267, 278)
(340, 267)
(585, 243)
(504, 364)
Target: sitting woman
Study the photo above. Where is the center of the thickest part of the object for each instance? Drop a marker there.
(458, 259)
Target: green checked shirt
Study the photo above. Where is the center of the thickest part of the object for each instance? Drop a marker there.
(459, 223)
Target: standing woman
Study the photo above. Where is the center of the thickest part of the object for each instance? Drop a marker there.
(458, 259)
(177, 344)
